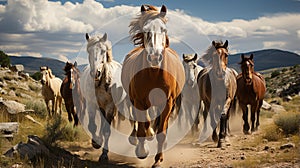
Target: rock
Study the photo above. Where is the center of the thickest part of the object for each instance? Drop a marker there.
(17, 68)
(23, 95)
(266, 106)
(265, 141)
(287, 98)
(11, 107)
(34, 148)
(277, 108)
(2, 91)
(12, 93)
(288, 145)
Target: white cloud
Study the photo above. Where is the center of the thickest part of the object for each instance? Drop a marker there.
(57, 30)
(274, 44)
(63, 58)
(33, 54)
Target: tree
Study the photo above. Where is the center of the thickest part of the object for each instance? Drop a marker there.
(4, 59)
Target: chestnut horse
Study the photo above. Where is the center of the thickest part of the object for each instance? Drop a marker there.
(251, 89)
(152, 75)
(66, 90)
(217, 89)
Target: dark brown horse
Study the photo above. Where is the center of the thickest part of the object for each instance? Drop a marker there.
(251, 89)
(217, 88)
(66, 92)
(152, 75)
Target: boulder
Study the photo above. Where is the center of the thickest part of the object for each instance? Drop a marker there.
(34, 148)
(277, 108)
(266, 106)
(11, 107)
(17, 68)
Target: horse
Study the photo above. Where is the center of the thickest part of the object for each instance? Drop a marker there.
(152, 76)
(190, 97)
(51, 90)
(251, 89)
(66, 90)
(102, 89)
(217, 89)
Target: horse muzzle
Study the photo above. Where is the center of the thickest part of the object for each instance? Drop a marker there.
(154, 59)
(43, 82)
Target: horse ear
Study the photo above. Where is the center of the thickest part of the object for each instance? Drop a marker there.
(87, 37)
(251, 56)
(163, 10)
(75, 63)
(213, 43)
(47, 67)
(226, 44)
(143, 9)
(104, 38)
(195, 57)
(243, 56)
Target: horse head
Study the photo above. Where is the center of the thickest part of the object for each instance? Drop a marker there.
(220, 58)
(247, 66)
(99, 50)
(190, 67)
(46, 75)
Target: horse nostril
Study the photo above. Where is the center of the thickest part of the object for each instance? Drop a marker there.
(160, 57)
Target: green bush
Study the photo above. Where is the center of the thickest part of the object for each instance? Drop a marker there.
(272, 133)
(275, 73)
(36, 76)
(39, 108)
(58, 129)
(288, 122)
(4, 59)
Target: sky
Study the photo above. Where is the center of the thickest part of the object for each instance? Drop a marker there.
(56, 29)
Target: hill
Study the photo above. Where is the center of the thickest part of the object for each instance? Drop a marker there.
(33, 64)
(264, 59)
(267, 59)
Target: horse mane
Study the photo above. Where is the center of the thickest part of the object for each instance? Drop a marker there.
(50, 73)
(136, 25)
(212, 49)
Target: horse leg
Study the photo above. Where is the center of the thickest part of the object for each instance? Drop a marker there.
(48, 108)
(162, 133)
(107, 119)
(59, 104)
(213, 124)
(75, 117)
(92, 127)
(224, 121)
(246, 126)
(257, 114)
(253, 111)
(195, 127)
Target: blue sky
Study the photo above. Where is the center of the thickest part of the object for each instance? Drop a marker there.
(44, 28)
(216, 11)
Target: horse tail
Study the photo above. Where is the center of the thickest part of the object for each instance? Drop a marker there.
(234, 110)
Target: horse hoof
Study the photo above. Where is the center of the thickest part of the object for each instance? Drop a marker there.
(246, 132)
(156, 166)
(221, 143)
(141, 151)
(103, 158)
(150, 134)
(133, 140)
(95, 144)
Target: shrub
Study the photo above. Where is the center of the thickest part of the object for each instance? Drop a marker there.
(37, 76)
(39, 108)
(272, 133)
(58, 129)
(288, 122)
(4, 59)
(275, 73)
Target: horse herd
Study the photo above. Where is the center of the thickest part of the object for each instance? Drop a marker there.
(153, 79)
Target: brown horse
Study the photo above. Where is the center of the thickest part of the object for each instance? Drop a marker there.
(251, 89)
(152, 75)
(66, 92)
(217, 88)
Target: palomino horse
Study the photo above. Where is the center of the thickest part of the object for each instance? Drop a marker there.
(251, 89)
(66, 90)
(190, 95)
(102, 89)
(51, 90)
(152, 75)
(217, 88)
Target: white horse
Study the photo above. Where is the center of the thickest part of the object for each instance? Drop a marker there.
(51, 90)
(190, 96)
(102, 89)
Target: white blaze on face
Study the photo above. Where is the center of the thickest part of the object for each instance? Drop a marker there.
(155, 40)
